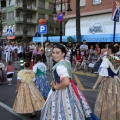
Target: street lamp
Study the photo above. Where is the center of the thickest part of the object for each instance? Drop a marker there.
(54, 13)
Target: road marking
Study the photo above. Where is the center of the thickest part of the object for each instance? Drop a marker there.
(82, 73)
(90, 90)
(78, 82)
(11, 111)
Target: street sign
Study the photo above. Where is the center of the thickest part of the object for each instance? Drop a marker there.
(38, 39)
(42, 29)
(60, 17)
(9, 32)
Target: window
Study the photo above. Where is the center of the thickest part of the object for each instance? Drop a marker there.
(11, 15)
(29, 16)
(41, 4)
(41, 16)
(97, 2)
(51, 18)
(82, 3)
(4, 17)
(10, 2)
(51, 6)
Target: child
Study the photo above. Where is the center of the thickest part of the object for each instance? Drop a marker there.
(28, 99)
(78, 60)
(10, 71)
(41, 80)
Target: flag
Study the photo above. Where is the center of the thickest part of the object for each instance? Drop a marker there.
(115, 10)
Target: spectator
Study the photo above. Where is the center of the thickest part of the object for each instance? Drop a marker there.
(86, 61)
(78, 60)
(97, 48)
(83, 47)
(49, 56)
(93, 61)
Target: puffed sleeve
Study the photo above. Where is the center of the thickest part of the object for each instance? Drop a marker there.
(104, 68)
(34, 68)
(62, 71)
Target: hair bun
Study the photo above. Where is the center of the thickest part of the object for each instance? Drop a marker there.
(115, 45)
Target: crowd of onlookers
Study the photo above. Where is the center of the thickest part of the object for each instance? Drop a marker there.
(81, 56)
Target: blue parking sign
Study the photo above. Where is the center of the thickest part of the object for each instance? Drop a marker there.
(42, 29)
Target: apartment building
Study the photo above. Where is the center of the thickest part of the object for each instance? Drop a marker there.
(12, 17)
(96, 22)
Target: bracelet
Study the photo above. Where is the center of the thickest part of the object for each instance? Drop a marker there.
(53, 89)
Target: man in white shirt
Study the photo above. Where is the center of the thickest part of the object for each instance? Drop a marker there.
(7, 50)
(83, 47)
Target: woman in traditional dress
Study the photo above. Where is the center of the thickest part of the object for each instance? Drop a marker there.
(65, 101)
(41, 79)
(28, 99)
(108, 101)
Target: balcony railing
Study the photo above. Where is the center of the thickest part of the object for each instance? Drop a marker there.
(18, 19)
(31, 21)
(4, 21)
(19, 5)
(4, 34)
(18, 33)
(3, 9)
(30, 33)
(31, 7)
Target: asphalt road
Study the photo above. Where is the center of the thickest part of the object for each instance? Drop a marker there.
(7, 95)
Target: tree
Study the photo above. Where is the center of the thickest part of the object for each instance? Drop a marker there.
(78, 31)
(24, 20)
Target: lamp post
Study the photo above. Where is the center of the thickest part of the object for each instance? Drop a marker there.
(61, 11)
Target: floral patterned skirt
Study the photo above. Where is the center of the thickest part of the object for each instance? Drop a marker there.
(65, 105)
(28, 99)
(108, 102)
(43, 85)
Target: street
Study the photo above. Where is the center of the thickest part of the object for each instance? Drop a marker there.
(7, 95)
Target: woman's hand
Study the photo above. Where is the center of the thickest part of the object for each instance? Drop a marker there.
(52, 84)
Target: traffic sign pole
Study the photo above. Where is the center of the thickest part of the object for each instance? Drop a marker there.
(42, 40)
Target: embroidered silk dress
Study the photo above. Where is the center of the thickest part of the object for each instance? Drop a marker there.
(68, 103)
(28, 99)
(41, 79)
(108, 101)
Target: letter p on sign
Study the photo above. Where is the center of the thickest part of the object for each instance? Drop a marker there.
(42, 29)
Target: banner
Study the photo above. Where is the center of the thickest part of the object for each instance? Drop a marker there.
(115, 10)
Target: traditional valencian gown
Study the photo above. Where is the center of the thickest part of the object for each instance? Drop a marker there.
(68, 103)
(41, 79)
(108, 101)
(28, 99)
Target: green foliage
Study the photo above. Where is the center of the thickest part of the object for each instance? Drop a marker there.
(70, 39)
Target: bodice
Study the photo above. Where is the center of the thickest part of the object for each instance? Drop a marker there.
(111, 73)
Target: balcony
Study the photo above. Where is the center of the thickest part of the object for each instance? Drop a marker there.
(31, 21)
(3, 10)
(30, 33)
(19, 5)
(18, 19)
(4, 34)
(31, 7)
(4, 21)
(18, 33)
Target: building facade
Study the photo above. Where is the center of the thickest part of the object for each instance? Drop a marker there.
(12, 17)
(95, 22)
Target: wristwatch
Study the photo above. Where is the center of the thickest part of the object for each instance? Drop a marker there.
(53, 89)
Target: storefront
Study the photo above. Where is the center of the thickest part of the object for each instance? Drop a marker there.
(98, 28)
